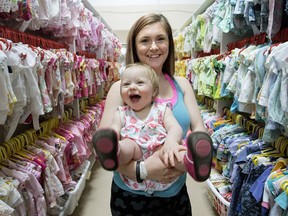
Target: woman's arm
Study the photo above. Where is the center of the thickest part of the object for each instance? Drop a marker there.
(113, 100)
(156, 170)
(191, 104)
(172, 145)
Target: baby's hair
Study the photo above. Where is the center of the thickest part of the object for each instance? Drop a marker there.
(151, 74)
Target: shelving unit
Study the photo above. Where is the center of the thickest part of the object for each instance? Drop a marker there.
(220, 204)
(83, 171)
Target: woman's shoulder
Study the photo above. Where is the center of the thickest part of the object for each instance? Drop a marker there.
(113, 95)
(183, 82)
(114, 88)
(181, 79)
(116, 84)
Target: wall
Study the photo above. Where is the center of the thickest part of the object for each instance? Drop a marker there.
(121, 18)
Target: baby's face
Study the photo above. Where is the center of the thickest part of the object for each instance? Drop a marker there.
(136, 88)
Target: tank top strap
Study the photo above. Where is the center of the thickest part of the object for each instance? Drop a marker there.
(175, 88)
(175, 85)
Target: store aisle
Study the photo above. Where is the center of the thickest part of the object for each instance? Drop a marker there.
(96, 196)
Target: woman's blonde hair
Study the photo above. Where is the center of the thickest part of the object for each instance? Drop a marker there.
(131, 53)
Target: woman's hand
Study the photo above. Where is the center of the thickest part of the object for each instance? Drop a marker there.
(157, 171)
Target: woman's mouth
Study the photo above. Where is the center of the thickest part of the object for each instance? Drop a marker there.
(154, 56)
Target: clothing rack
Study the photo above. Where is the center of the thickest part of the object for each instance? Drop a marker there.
(19, 142)
(257, 40)
(86, 54)
(16, 147)
(26, 38)
(280, 37)
(212, 52)
(281, 144)
(250, 125)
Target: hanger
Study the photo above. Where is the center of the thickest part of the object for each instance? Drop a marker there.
(7, 149)
(58, 136)
(3, 161)
(18, 152)
(281, 144)
(19, 143)
(272, 152)
(7, 43)
(38, 50)
(257, 130)
(270, 48)
(253, 129)
(54, 123)
(43, 129)
(44, 136)
(3, 154)
(66, 115)
(250, 126)
(22, 152)
(31, 136)
(26, 138)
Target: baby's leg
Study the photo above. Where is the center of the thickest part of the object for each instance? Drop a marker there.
(197, 160)
(129, 150)
(111, 153)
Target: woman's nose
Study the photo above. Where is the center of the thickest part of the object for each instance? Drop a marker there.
(154, 45)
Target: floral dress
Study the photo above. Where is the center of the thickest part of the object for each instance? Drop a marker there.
(148, 134)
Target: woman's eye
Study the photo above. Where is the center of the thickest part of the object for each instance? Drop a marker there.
(161, 40)
(145, 41)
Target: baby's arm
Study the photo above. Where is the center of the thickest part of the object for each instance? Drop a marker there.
(172, 144)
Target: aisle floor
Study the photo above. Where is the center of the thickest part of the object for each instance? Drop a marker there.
(96, 195)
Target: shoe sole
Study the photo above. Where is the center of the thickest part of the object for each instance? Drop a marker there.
(200, 145)
(105, 143)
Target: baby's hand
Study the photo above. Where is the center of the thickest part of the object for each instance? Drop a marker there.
(170, 151)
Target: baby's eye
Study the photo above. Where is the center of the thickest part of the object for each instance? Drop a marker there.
(140, 82)
(125, 84)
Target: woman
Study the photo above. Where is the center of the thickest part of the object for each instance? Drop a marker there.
(150, 41)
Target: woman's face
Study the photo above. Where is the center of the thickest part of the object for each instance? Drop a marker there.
(152, 46)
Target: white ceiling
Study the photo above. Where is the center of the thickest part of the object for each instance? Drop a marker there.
(120, 15)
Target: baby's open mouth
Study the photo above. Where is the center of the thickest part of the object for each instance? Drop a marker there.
(135, 98)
